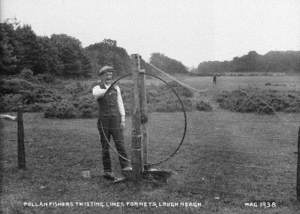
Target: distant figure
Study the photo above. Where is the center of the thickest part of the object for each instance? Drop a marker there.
(214, 79)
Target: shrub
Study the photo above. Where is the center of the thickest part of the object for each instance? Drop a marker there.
(62, 109)
(35, 107)
(31, 100)
(15, 85)
(260, 101)
(27, 74)
(203, 106)
(46, 78)
(10, 102)
(76, 88)
(43, 95)
(86, 107)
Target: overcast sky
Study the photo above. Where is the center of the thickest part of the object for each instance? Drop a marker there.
(191, 31)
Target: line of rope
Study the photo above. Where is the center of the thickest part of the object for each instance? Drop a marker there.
(177, 80)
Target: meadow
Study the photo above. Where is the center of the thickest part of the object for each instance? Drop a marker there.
(227, 159)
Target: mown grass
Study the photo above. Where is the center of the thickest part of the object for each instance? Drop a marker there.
(236, 157)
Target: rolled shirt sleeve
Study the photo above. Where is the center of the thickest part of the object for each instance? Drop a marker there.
(98, 92)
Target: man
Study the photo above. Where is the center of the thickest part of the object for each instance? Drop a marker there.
(214, 79)
(111, 121)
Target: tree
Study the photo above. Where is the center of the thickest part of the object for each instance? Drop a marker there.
(48, 59)
(72, 55)
(8, 59)
(27, 48)
(167, 64)
(104, 53)
(273, 61)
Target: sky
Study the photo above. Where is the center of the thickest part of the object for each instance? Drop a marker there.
(191, 31)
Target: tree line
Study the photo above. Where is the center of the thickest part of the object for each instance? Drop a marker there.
(58, 54)
(63, 55)
(273, 61)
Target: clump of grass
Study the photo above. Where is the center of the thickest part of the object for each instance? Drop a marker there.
(203, 106)
(259, 101)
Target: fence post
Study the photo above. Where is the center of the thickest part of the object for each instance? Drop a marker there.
(21, 146)
(136, 144)
(298, 168)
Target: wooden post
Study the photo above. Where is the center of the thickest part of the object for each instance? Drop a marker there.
(298, 168)
(136, 145)
(144, 116)
(21, 146)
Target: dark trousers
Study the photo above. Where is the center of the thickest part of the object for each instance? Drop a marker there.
(110, 126)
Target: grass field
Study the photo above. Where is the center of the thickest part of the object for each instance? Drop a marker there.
(227, 159)
(234, 82)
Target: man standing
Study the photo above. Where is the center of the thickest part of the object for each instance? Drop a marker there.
(111, 121)
(215, 79)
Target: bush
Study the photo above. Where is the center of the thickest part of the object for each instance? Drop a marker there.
(86, 107)
(27, 74)
(260, 101)
(203, 106)
(36, 107)
(77, 89)
(46, 78)
(62, 109)
(10, 102)
(43, 95)
(15, 85)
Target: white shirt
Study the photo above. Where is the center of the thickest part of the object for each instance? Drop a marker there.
(99, 92)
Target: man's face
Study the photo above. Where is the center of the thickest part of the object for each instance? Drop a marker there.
(107, 77)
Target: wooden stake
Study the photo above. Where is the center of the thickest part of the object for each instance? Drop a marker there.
(136, 145)
(21, 146)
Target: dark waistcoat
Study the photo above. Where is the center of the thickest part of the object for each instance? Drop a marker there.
(108, 104)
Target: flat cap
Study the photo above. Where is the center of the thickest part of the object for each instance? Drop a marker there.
(105, 69)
